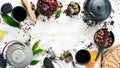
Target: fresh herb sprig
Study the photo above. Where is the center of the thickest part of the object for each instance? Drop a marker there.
(36, 13)
(57, 14)
(8, 20)
(34, 62)
(36, 51)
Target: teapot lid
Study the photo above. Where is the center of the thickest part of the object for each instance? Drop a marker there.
(98, 10)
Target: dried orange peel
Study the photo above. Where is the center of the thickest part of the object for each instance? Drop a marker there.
(92, 62)
(1, 34)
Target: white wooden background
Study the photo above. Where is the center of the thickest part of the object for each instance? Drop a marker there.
(64, 33)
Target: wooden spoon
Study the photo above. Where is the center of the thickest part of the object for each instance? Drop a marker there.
(29, 10)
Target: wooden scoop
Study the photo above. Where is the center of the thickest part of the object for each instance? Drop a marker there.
(29, 10)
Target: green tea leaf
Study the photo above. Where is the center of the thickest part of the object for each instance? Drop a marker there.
(58, 12)
(36, 13)
(10, 21)
(35, 45)
(38, 51)
(34, 62)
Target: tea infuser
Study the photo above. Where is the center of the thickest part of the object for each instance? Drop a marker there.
(51, 56)
(48, 63)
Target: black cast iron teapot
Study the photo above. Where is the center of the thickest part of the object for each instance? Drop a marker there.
(97, 10)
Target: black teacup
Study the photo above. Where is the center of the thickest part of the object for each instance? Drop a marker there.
(82, 56)
(19, 13)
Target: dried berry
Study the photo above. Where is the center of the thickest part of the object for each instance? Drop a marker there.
(32, 6)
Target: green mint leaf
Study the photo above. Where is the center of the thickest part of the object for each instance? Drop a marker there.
(36, 13)
(38, 51)
(34, 62)
(10, 21)
(35, 45)
(58, 12)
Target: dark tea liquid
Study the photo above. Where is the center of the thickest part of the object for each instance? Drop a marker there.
(19, 13)
(82, 57)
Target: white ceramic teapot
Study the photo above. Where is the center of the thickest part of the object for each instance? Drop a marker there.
(17, 54)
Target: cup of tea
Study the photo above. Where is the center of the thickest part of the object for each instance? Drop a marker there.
(19, 14)
(82, 57)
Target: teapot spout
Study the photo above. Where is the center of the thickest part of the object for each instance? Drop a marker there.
(28, 42)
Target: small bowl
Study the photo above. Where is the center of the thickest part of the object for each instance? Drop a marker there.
(97, 41)
(44, 9)
(68, 12)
